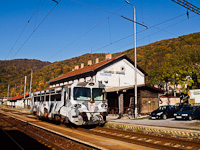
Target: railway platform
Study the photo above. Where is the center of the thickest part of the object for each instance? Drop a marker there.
(157, 137)
(169, 127)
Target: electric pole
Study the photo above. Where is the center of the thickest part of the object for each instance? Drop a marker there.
(15, 90)
(8, 91)
(21, 88)
(25, 86)
(31, 80)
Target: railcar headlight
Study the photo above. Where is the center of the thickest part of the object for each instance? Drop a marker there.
(77, 105)
(104, 105)
(175, 114)
(184, 114)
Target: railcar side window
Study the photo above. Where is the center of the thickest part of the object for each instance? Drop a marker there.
(37, 98)
(42, 98)
(58, 97)
(47, 98)
(65, 98)
(69, 94)
(52, 97)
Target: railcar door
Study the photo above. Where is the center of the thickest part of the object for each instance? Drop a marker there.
(63, 109)
(68, 102)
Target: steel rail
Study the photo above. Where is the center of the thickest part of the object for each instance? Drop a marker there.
(32, 133)
(55, 133)
(150, 140)
(139, 138)
(13, 140)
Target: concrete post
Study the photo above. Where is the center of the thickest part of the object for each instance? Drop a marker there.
(121, 104)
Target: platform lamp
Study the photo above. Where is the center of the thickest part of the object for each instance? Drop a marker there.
(135, 59)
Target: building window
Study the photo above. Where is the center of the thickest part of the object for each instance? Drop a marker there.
(123, 69)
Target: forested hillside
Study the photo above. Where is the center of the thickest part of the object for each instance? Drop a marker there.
(163, 60)
(167, 59)
(56, 69)
(13, 71)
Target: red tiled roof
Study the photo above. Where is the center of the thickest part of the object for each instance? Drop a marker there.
(89, 68)
(84, 69)
(17, 97)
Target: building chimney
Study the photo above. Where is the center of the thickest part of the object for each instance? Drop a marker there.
(76, 67)
(97, 60)
(108, 56)
(89, 62)
(72, 69)
(82, 65)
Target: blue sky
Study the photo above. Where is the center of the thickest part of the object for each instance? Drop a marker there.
(73, 28)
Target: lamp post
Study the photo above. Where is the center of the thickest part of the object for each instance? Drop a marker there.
(135, 59)
(31, 80)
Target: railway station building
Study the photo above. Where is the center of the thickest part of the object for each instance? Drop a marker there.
(21, 101)
(118, 76)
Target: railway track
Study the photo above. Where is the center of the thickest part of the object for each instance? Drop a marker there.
(138, 138)
(148, 140)
(47, 140)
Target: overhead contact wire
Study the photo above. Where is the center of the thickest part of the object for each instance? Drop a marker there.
(36, 29)
(34, 12)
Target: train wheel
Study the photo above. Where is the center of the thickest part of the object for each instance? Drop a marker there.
(104, 118)
(57, 118)
(46, 113)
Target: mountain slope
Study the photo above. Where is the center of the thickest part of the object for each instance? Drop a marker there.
(162, 60)
(13, 71)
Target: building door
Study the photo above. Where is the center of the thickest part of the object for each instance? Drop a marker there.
(113, 104)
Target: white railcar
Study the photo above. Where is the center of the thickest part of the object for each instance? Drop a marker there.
(80, 103)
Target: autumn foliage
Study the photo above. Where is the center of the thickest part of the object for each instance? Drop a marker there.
(174, 60)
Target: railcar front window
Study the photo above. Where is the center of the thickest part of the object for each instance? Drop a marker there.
(97, 94)
(81, 93)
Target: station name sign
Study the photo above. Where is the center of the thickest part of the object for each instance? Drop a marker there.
(109, 73)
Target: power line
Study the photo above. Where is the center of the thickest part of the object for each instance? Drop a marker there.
(112, 13)
(171, 32)
(134, 21)
(36, 28)
(109, 29)
(34, 12)
(79, 37)
(150, 26)
(188, 6)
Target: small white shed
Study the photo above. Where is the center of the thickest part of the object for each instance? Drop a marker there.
(194, 96)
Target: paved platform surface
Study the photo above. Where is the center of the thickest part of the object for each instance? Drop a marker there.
(171, 127)
(171, 122)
